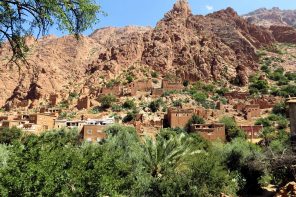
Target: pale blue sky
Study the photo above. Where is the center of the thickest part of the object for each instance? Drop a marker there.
(148, 12)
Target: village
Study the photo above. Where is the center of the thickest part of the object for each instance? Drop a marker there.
(244, 109)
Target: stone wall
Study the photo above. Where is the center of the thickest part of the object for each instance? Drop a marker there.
(237, 95)
(209, 132)
(263, 103)
(157, 92)
(115, 90)
(169, 86)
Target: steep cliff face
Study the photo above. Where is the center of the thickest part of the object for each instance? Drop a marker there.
(270, 17)
(219, 46)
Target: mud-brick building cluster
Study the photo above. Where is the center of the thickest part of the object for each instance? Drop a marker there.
(249, 107)
(91, 130)
(33, 123)
(142, 86)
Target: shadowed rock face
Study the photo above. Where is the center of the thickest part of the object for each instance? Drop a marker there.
(284, 34)
(219, 46)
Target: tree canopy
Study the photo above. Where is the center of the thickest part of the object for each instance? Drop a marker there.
(21, 18)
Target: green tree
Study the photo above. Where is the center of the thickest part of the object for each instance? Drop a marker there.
(245, 160)
(9, 135)
(19, 19)
(231, 128)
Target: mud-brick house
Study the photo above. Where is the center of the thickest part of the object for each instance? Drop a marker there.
(252, 132)
(209, 132)
(168, 85)
(54, 99)
(83, 103)
(178, 117)
(252, 111)
(141, 85)
(93, 133)
(46, 121)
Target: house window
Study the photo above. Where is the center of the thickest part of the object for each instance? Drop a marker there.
(89, 131)
(99, 131)
(88, 139)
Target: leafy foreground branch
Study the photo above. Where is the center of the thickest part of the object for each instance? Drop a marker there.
(19, 19)
(174, 164)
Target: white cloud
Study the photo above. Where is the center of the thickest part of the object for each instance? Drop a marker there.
(209, 7)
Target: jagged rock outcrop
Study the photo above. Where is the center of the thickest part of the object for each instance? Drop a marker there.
(270, 17)
(219, 46)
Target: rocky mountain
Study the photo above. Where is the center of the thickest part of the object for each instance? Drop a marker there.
(220, 46)
(272, 17)
(281, 23)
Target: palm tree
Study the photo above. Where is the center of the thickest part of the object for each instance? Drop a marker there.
(168, 152)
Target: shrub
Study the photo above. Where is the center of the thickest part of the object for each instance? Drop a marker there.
(129, 78)
(265, 122)
(282, 123)
(291, 76)
(185, 83)
(64, 104)
(154, 74)
(154, 106)
(258, 86)
(116, 108)
(129, 117)
(129, 104)
(222, 91)
(279, 109)
(107, 100)
(199, 96)
(177, 103)
(73, 95)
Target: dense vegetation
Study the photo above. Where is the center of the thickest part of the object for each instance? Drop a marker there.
(176, 163)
